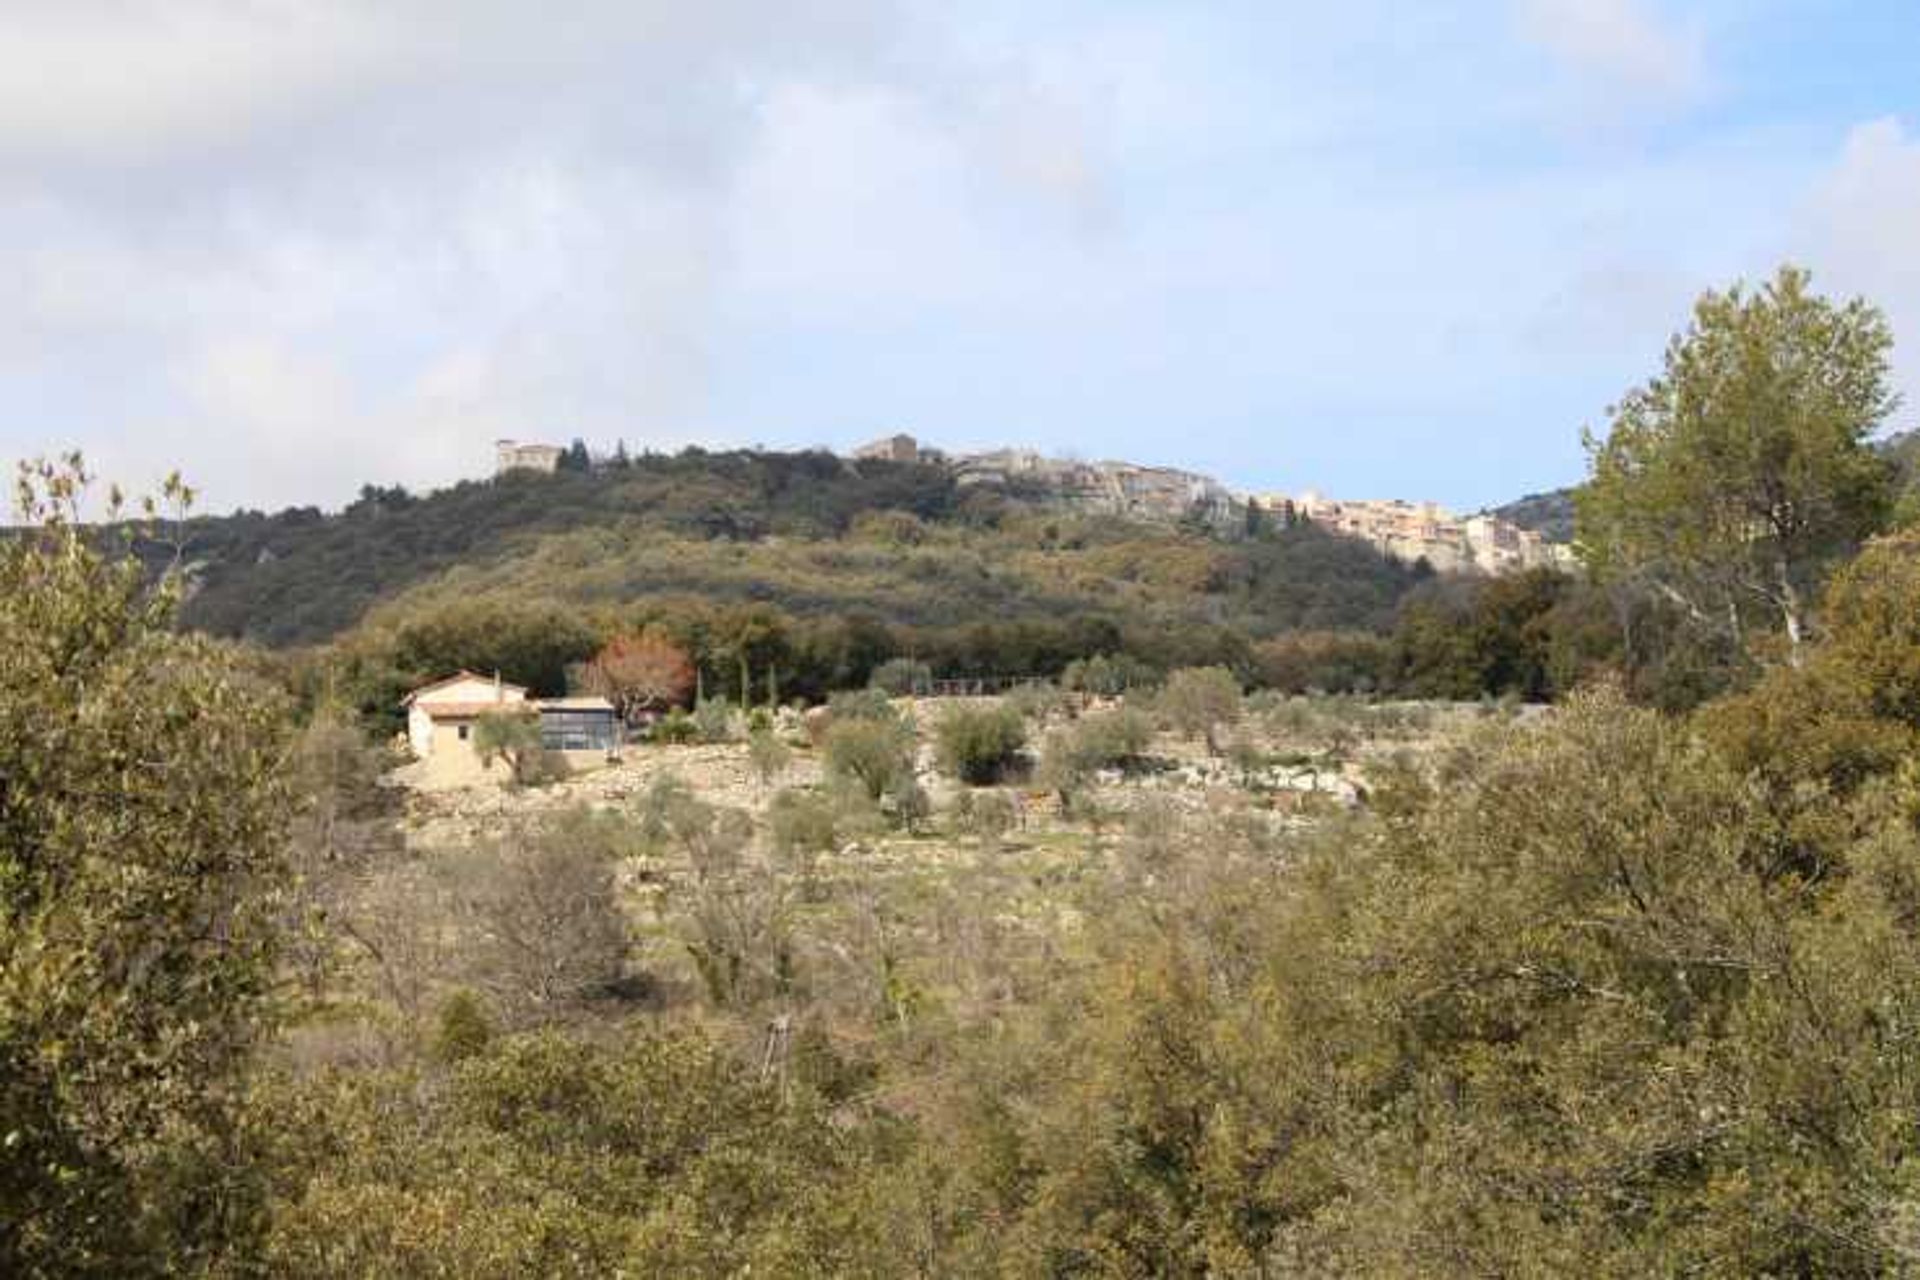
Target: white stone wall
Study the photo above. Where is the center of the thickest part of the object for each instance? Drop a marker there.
(425, 736)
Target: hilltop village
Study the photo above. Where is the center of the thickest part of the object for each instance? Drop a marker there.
(1407, 531)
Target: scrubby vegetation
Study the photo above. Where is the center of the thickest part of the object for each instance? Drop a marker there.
(1280, 982)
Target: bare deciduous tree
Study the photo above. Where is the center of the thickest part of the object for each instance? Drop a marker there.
(541, 919)
(640, 672)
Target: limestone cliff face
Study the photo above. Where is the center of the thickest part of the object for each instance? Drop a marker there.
(1111, 488)
(1407, 531)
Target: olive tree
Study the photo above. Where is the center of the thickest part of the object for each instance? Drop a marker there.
(769, 756)
(871, 756)
(979, 745)
(1199, 701)
(515, 738)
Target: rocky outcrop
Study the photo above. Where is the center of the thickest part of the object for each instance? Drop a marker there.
(1161, 494)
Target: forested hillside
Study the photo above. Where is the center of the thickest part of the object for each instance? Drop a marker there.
(302, 575)
(800, 574)
(803, 573)
(808, 532)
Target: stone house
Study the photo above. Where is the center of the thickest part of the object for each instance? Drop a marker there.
(441, 715)
(441, 718)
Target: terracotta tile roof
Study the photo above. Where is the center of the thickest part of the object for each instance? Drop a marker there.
(456, 678)
(468, 710)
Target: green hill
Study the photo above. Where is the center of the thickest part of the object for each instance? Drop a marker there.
(1548, 514)
(807, 535)
(302, 576)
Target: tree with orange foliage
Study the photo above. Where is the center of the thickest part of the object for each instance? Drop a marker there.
(643, 671)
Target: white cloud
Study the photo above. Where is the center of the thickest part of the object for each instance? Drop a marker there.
(122, 79)
(321, 243)
(1860, 233)
(142, 80)
(865, 206)
(1864, 216)
(1622, 46)
(296, 245)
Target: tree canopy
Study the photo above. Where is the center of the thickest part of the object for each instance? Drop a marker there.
(641, 671)
(142, 816)
(1735, 479)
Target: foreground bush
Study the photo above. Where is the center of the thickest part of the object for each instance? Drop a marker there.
(1572, 1014)
(556, 1156)
(142, 826)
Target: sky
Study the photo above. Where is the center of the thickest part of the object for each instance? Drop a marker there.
(1374, 248)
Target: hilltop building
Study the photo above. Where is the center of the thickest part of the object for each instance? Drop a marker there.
(894, 448)
(512, 455)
